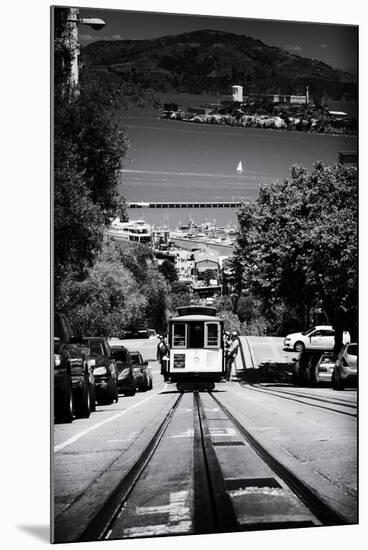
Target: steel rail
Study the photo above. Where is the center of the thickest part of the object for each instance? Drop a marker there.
(321, 510)
(100, 525)
(339, 402)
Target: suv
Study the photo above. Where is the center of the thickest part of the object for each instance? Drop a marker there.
(346, 368)
(142, 371)
(73, 377)
(312, 367)
(104, 371)
(321, 337)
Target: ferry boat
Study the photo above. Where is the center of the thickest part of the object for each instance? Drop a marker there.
(134, 230)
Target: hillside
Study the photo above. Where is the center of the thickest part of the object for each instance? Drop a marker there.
(211, 61)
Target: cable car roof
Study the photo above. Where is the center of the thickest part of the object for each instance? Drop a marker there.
(196, 318)
(197, 310)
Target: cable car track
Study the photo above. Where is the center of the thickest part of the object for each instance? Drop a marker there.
(277, 393)
(213, 508)
(315, 397)
(99, 527)
(325, 514)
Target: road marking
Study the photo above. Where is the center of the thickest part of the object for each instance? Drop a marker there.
(188, 433)
(179, 517)
(156, 530)
(215, 410)
(176, 508)
(77, 436)
(133, 435)
(222, 432)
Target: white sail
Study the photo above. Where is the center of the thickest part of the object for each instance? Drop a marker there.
(239, 168)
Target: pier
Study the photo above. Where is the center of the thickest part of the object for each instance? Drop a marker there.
(186, 204)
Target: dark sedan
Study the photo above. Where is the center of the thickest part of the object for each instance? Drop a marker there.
(127, 382)
(142, 371)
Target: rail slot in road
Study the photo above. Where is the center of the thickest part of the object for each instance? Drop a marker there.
(99, 527)
(321, 511)
(306, 399)
(203, 472)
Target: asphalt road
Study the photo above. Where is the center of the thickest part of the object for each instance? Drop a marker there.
(312, 431)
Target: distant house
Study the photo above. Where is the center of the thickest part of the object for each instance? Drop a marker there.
(348, 157)
(207, 272)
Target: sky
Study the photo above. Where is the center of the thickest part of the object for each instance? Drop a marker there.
(335, 45)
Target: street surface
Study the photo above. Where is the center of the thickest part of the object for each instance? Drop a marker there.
(311, 431)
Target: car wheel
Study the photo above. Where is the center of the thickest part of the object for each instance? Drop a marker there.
(339, 386)
(92, 397)
(64, 410)
(312, 378)
(299, 346)
(84, 408)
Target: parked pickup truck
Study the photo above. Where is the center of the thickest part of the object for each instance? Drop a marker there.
(73, 374)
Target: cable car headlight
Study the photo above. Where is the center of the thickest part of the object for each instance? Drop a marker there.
(179, 360)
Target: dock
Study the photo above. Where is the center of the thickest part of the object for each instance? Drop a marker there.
(186, 204)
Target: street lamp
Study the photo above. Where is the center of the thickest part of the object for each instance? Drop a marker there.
(73, 20)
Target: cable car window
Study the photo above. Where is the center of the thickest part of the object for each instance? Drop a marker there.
(212, 335)
(179, 335)
(196, 335)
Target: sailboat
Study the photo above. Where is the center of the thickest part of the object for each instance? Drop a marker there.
(239, 168)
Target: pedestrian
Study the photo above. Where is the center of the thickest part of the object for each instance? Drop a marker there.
(163, 355)
(232, 353)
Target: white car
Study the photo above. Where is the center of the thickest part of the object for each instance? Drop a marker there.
(321, 337)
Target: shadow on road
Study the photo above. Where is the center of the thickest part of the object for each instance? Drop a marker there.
(268, 372)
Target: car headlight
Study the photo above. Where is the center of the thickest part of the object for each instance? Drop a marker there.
(57, 360)
(99, 371)
(123, 374)
(137, 370)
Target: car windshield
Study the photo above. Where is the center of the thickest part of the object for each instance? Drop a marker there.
(328, 358)
(121, 355)
(353, 350)
(135, 359)
(307, 332)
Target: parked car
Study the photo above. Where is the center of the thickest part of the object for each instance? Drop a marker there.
(127, 382)
(320, 368)
(142, 371)
(73, 376)
(105, 374)
(135, 334)
(345, 372)
(321, 337)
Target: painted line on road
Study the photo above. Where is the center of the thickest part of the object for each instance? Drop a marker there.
(77, 436)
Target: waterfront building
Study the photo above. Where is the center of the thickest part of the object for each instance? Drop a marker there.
(160, 238)
(237, 93)
(207, 273)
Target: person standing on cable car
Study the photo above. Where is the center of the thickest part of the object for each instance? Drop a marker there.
(232, 353)
(162, 355)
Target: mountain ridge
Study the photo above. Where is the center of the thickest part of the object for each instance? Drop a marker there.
(212, 61)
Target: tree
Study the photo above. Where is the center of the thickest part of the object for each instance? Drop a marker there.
(116, 294)
(298, 241)
(168, 270)
(89, 147)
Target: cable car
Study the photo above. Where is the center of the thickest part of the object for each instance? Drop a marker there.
(196, 346)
